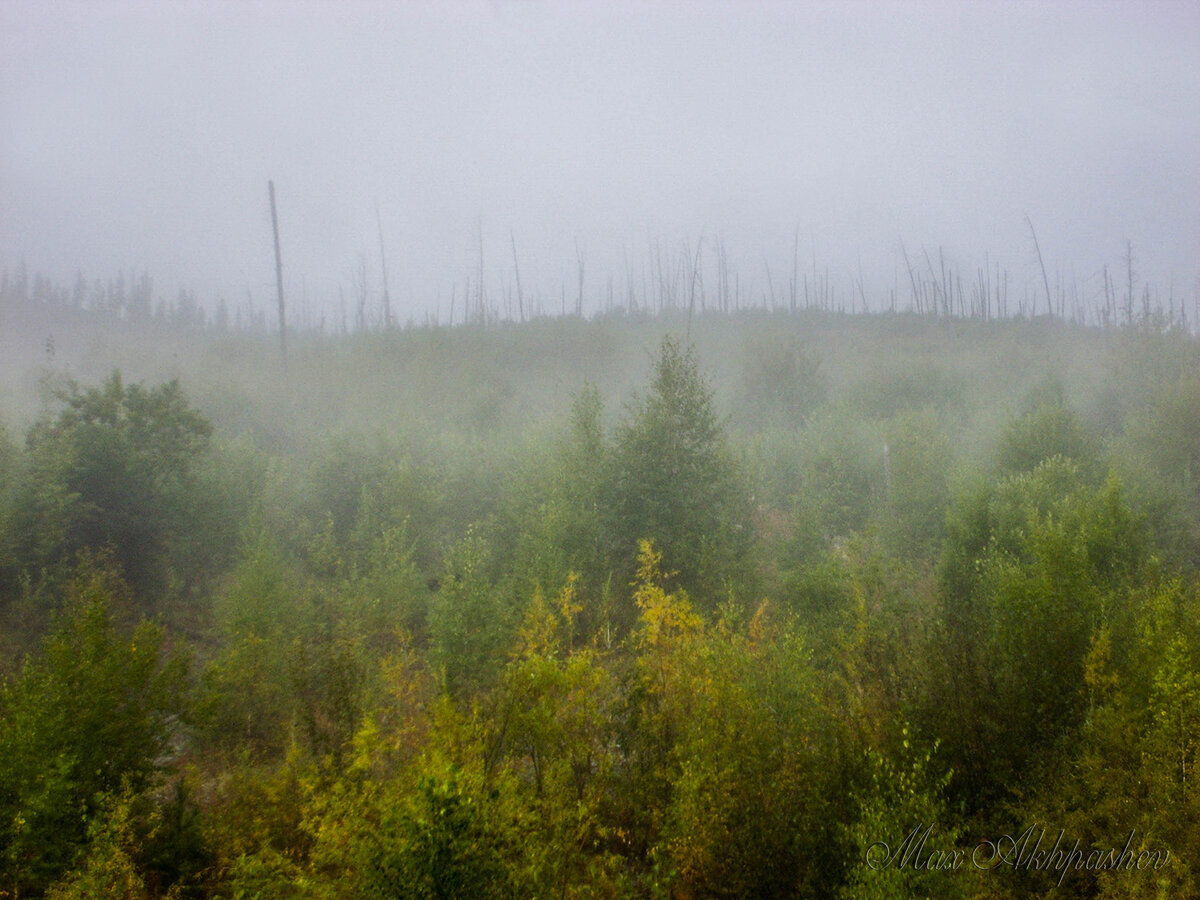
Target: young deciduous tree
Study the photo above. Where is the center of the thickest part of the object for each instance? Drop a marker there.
(1039, 562)
(471, 619)
(1046, 427)
(115, 468)
(90, 716)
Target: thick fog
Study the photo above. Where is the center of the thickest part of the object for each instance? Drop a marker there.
(596, 135)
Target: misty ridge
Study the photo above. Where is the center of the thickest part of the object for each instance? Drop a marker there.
(524, 450)
(687, 276)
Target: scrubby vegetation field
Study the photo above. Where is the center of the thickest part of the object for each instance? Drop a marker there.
(734, 604)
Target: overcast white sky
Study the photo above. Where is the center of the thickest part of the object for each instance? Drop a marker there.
(140, 136)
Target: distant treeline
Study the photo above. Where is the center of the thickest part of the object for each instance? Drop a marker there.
(679, 279)
(121, 296)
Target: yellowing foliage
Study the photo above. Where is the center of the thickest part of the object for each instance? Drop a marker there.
(666, 619)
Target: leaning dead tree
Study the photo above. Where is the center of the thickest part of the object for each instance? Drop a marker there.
(387, 300)
(1045, 280)
(278, 273)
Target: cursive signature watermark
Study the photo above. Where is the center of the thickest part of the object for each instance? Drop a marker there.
(1034, 849)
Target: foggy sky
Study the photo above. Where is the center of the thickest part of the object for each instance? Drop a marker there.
(140, 136)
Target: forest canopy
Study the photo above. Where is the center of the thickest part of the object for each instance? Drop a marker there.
(724, 605)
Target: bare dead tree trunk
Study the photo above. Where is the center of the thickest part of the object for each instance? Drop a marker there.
(794, 288)
(517, 270)
(694, 262)
(1129, 273)
(1109, 303)
(822, 301)
(579, 264)
(722, 277)
(360, 288)
(278, 274)
(912, 278)
(1045, 280)
(933, 281)
(482, 299)
(770, 282)
(387, 300)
